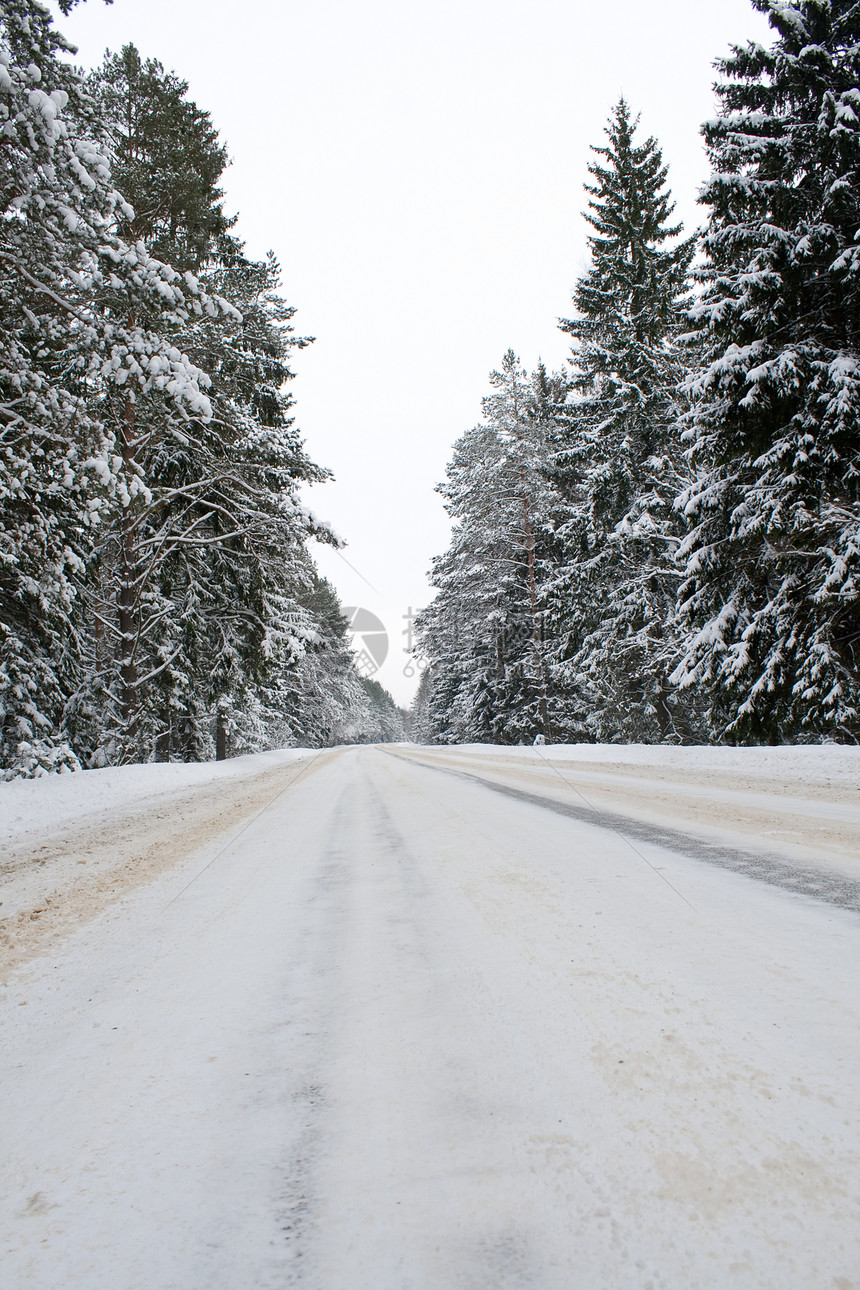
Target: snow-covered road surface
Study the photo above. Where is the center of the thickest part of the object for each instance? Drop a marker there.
(393, 1029)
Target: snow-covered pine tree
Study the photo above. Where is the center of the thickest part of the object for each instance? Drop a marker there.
(771, 595)
(43, 497)
(419, 727)
(257, 599)
(58, 251)
(461, 631)
(483, 633)
(145, 309)
(618, 457)
(217, 543)
(385, 723)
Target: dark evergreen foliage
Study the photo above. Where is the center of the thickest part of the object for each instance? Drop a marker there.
(618, 457)
(770, 595)
(699, 534)
(167, 159)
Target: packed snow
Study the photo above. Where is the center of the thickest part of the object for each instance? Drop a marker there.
(397, 1021)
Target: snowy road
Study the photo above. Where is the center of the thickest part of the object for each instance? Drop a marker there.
(396, 1029)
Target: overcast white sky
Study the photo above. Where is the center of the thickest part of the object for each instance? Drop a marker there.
(418, 170)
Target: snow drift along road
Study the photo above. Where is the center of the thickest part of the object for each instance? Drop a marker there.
(401, 1029)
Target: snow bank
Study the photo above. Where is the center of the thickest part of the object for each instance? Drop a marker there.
(54, 802)
(835, 763)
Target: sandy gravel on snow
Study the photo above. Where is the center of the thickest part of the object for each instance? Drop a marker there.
(71, 845)
(62, 873)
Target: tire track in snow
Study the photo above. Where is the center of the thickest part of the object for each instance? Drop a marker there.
(403, 1076)
(820, 884)
(327, 914)
(502, 1256)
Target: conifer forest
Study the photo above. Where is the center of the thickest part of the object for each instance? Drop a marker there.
(662, 542)
(157, 595)
(658, 544)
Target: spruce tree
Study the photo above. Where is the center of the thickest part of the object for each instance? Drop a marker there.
(311, 696)
(385, 723)
(254, 587)
(618, 456)
(770, 595)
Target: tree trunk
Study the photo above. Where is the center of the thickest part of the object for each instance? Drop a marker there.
(220, 737)
(537, 642)
(162, 742)
(127, 598)
(662, 711)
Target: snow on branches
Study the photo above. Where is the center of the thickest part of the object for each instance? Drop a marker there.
(152, 557)
(769, 595)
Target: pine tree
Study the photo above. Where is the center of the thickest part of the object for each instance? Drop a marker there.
(484, 632)
(167, 159)
(618, 454)
(204, 567)
(43, 484)
(251, 376)
(419, 723)
(770, 595)
(317, 699)
(61, 352)
(239, 617)
(386, 723)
